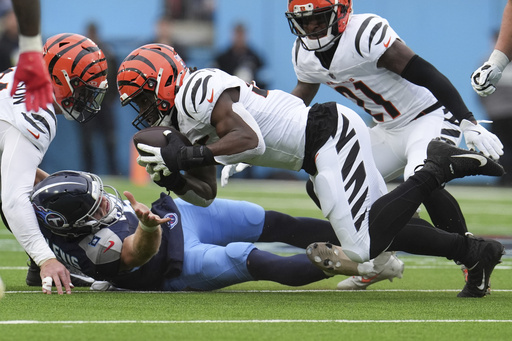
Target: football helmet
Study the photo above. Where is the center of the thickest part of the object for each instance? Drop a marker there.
(70, 203)
(148, 79)
(318, 23)
(78, 69)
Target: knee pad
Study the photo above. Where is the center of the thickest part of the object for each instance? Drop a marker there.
(239, 251)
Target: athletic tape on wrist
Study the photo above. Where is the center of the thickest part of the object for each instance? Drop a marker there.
(499, 59)
(148, 228)
(27, 43)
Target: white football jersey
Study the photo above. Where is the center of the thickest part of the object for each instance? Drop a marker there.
(390, 99)
(281, 118)
(38, 127)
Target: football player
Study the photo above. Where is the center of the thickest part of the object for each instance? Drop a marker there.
(230, 121)
(487, 76)
(362, 58)
(78, 70)
(175, 246)
(31, 69)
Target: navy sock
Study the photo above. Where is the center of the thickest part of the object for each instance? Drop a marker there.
(294, 270)
(300, 232)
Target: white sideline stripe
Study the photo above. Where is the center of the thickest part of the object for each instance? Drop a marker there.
(252, 291)
(23, 322)
(440, 266)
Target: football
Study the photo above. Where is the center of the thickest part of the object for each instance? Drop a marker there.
(154, 136)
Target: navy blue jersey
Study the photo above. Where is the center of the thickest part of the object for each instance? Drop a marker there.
(99, 255)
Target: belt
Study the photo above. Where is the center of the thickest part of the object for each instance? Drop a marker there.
(428, 110)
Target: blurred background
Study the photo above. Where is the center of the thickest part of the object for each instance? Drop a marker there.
(248, 38)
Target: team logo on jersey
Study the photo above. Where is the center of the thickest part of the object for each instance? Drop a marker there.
(174, 220)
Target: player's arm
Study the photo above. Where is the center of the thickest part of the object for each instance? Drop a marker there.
(402, 60)
(504, 42)
(485, 79)
(40, 176)
(240, 136)
(28, 14)
(31, 68)
(240, 140)
(305, 91)
(200, 186)
(141, 246)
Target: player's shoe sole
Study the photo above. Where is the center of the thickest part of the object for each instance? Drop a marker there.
(327, 257)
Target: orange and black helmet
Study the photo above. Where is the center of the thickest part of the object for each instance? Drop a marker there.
(78, 69)
(151, 73)
(330, 19)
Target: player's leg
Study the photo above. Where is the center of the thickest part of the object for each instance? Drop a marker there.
(293, 270)
(296, 231)
(441, 206)
(224, 221)
(347, 183)
(478, 255)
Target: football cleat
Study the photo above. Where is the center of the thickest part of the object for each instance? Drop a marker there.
(488, 254)
(393, 268)
(33, 278)
(447, 162)
(329, 258)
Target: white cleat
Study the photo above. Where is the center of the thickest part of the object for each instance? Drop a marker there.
(389, 269)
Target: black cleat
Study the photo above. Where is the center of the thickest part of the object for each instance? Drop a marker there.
(447, 162)
(488, 253)
(33, 278)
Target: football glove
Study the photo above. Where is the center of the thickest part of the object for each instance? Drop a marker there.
(487, 76)
(175, 156)
(479, 138)
(229, 170)
(32, 71)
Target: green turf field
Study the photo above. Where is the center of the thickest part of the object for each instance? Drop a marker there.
(421, 306)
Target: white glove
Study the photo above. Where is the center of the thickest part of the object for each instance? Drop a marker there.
(485, 78)
(155, 174)
(154, 160)
(229, 170)
(479, 138)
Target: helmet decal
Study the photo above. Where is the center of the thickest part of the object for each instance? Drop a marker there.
(148, 79)
(78, 70)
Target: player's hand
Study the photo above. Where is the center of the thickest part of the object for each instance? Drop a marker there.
(166, 159)
(479, 138)
(52, 271)
(485, 78)
(143, 212)
(32, 71)
(229, 170)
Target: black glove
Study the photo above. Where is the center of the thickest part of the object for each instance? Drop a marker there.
(173, 182)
